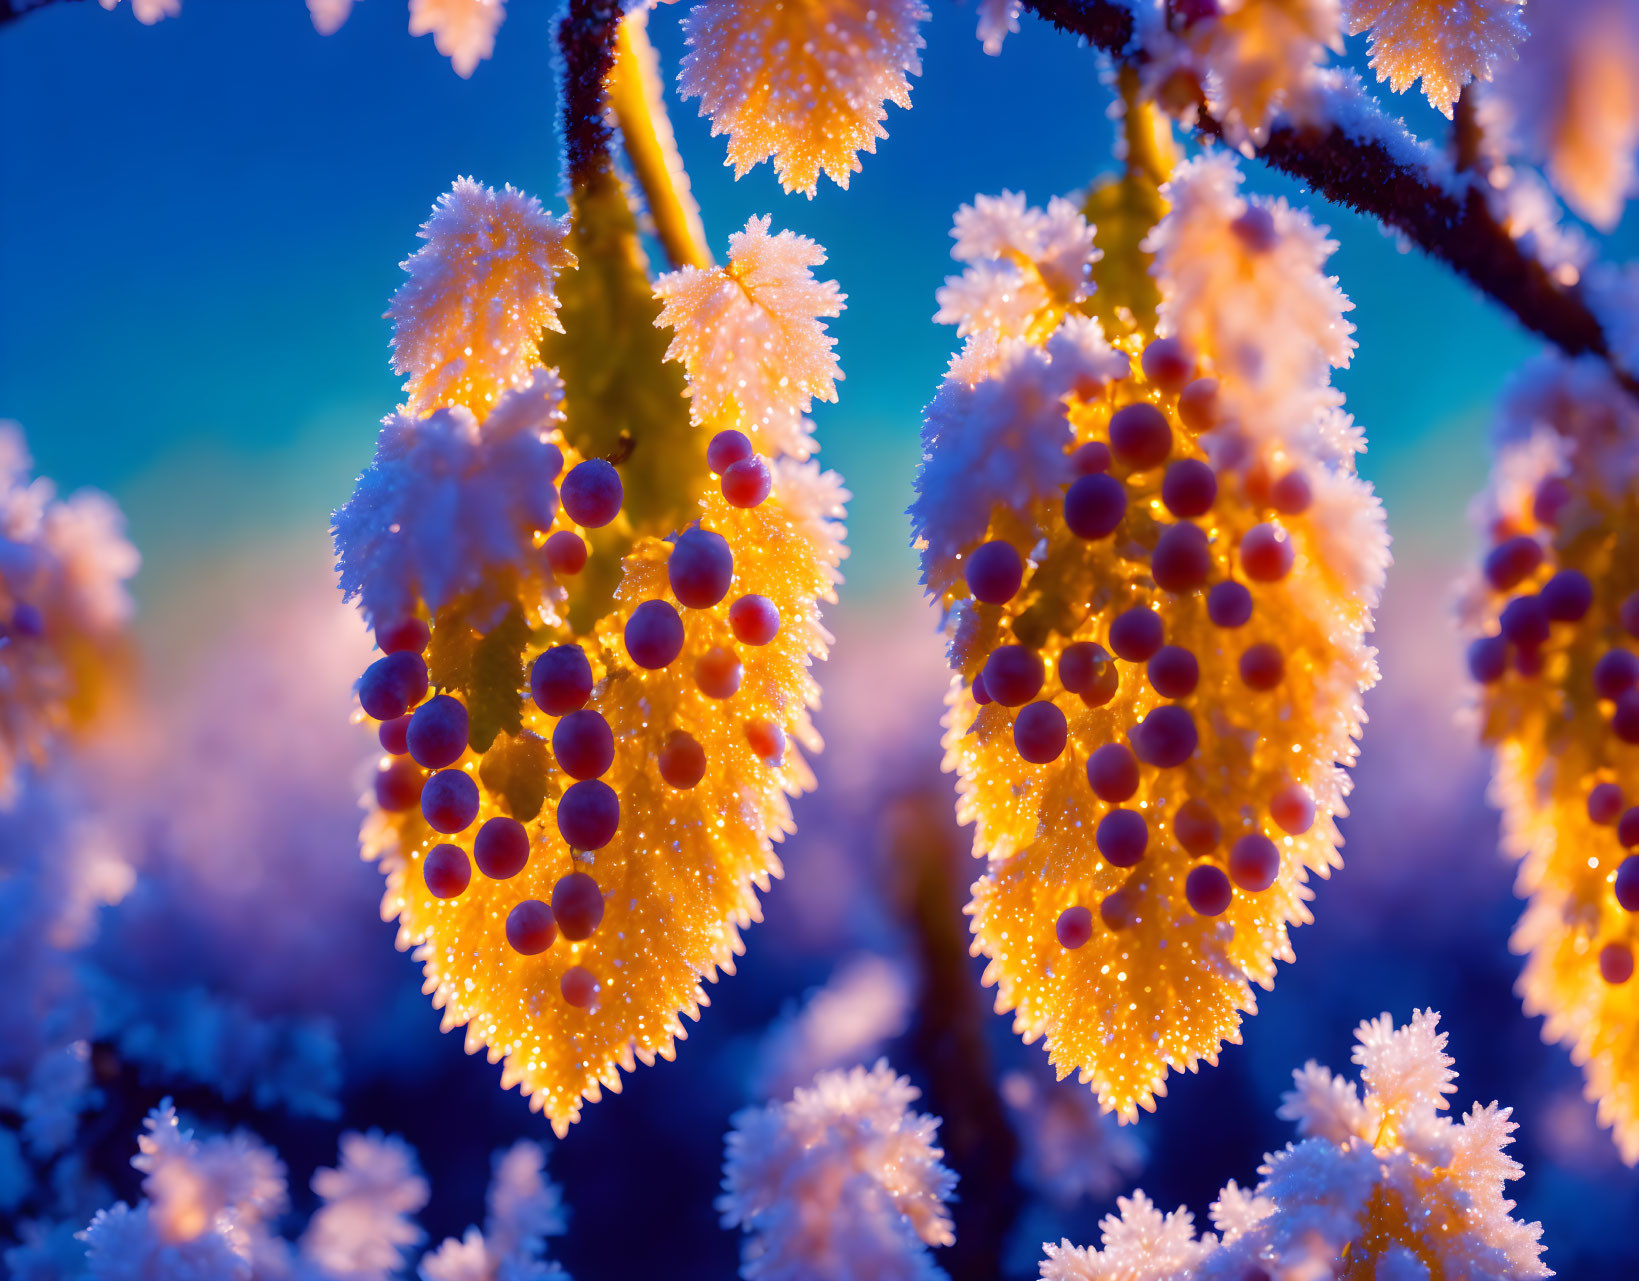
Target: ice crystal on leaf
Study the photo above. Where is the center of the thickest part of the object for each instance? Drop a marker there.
(462, 30)
(366, 1223)
(467, 321)
(841, 1181)
(1571, 102)
(148, 12)
(752, 339)
(1071, 1150)
(998, 19)
(1553, 619)
(1158, 567)
(866, 1003)
(64, 608)
(1385, 1186)
(329, 15)
(1444, 43)
(803, 83)
(1026, 266)
(591, 845)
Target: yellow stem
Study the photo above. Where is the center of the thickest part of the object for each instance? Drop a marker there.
(1152, 152)
(639, 103)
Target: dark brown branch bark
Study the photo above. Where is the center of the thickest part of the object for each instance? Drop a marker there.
(11, 10)
(1361, 174)
(586, 38)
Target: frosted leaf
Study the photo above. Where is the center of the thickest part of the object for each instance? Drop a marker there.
(462, 30)
(525, 1206)
(865, 1004)
(1324, 1106)
(1400, 1264)
(1406, 1070)
(751, 337)
(1139, 1244)
(1071, 1149)
(329, 15)
(124, 1244)
(148, 12)
(1259, 57)
(448, 502)
(1027, 266)
(458, 1259)
(998, 19)
(467, 321)
(1571, 102)
(364, 1227)
(842, 1181)
(1237, 1211)
(805, 84)
(1445, 43)
(1260, 307)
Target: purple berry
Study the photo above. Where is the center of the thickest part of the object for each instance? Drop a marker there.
(1198, 404)
(1074, 927)
(747, 482)
(1140, 435)
(1488, 659)
(1625, 718)
(1092, 457)
(700, 568)
(530, 927)
(995, 572)
(1615, 673)
(438, 732)
(408, 635)
(1039, 733)
(394, 735)
(1121, 837)
(1166, 738)
(398, 785)
(1628, 615)
(1183, 559)
(1013, 675)
(1255, 228)
(1196, 828)
(1567, 596)
(718, 673)
(1167, 365)
(654, 634)
(1118, 909)
(578, 986)
(588, 814)
(1079, 663)
(1207, 890)
(1627, 883)
(1262, 666)
(583, 744)
(1136, 634)
(726, 449)
(1616, 963)
(393, 685)
(577, 902)
(1291, 495)
(754, 619)
(501, 848)
(1293, 809)
(1254, 862)
(446, 871)
(1229, 604)
(1094, 506)
(1549, 501)
(449, 801)
(561, 680)
(1512, 561)
(682, 760)
(1173, 672)
(566, 553)
(1605, 803)
(981, 695)
(1627, 828)
(591, 493)
(1266, 553)
(1113, 773)
(1189, 488)
(1524, 622)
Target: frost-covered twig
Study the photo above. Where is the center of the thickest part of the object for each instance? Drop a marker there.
(586, 41)
(1362, 161)
(11, 10)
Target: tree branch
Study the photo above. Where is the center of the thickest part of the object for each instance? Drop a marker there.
(586, 38)
(1358, 171)
(11, 10)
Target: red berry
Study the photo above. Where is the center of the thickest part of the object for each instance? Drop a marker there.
(1488, 659)
(755, 620)
(682, 760)
(1627, 883)
(530, 927)
(1629, 615)
(583, 744)
(1567, 596)
(1013, 675)
(501, 848)
(1291, 494)
(449, 801)
(768, 740)
(1166, 738)
(1263, 666)
(1039, 733)
(654, 634)
(1198, 404)
(1078, 664)
(1094, 506)
(438, 732)
(1549, 501)
(1207, 890)
(591, 493)
(1092, 457)
(1173, 672)
(393, 685)
(1167, 365)
(561, 680)
(1140, 435)
(393, 735)
(398, 785)
(446, 871)
(578, 986)
(1254, 862)
(1266, 553)
(1189, 487)
(1117, 909)
(718, 673)
(1183, 560)
(726, 449)
(1524, 622)
(577, 903)
(408, 635)
(1512, 561)
(566, 553)
(1627, 828)
(1121, 837)
(1074, 927)
(994, 572)
(1255, 228)
(981, 695)
(1615, 673)
(1229, 604)
(1293, 809)
(1113, 773)
(1625, 717)
(747, 482)
(1616, 963)
(700, 568)
(1605, 803)
(588, 814)
(1196, 828)
(1136, 634)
